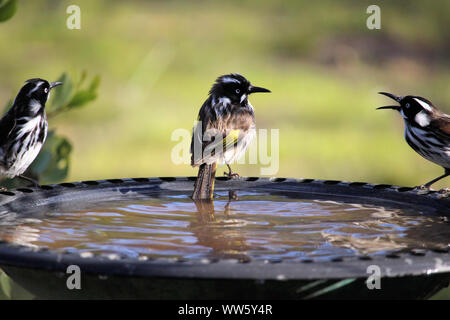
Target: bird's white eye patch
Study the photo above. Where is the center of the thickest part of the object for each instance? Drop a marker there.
(46, 90)
(422, 119)
(407, 105)
(424, 105)
(237, 91)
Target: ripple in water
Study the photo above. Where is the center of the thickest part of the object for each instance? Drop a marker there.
(255, 227)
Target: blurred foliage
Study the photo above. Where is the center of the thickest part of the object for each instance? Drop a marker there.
(444, 294)
(52, 164)
(9, 290)
(71, 95)
(7, 9)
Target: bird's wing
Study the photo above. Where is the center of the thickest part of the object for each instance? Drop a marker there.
(196, 143)
(220, 144)
(441, 127)
(7, 125)
(206, 117)
(219, 137)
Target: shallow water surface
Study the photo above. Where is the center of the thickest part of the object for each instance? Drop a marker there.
(256, 226)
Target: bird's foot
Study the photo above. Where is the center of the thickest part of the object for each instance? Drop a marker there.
(423, 189)
(444, 193)
(231, 175)
(3, 189)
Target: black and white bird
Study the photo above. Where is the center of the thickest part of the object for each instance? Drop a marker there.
(23, 129)
(225, 128)
(427, 130)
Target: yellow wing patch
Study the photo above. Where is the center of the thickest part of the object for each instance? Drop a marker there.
(230, 140)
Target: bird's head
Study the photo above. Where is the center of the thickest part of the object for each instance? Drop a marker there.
(36, 89)
(413, 108)
(234, 88)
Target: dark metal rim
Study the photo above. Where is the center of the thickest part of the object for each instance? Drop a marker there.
(415, 262)
(223, 182)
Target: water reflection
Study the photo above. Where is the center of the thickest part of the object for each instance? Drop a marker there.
(224, 235)
(247, 226)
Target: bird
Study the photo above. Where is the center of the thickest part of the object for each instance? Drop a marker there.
(23, 129)
(427, 131)
(224, 129)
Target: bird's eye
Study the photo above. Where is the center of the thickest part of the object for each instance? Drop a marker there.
(407, 105)
(237, 90)
(46, 90)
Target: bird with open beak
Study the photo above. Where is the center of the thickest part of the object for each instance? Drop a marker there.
(427, 130)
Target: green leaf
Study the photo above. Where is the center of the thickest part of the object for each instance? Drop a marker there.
(95, 83)
(7, 9)
(42, 162)
(70, 96)
(82, 78)
(81, 98)
(63, 149)
(10, 290)
(5, 286)
(52, 163)
(61, 94)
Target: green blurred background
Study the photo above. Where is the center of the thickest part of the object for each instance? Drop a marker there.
(158, 59)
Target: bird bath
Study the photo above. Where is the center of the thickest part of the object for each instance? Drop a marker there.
(259, 238)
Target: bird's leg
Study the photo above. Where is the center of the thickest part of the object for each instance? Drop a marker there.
(3, 189)
(427, 185)
(230, 174)
(231, 197)
(34, 182)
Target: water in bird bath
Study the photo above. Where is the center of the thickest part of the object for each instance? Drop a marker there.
(256, 226)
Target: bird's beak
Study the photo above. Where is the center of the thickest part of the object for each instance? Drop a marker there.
(389, 107)
(392, 96)
(253, 89)
(55, 84)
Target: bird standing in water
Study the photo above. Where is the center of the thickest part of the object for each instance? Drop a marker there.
(225, 128)
(23, 129)
(427, 130)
